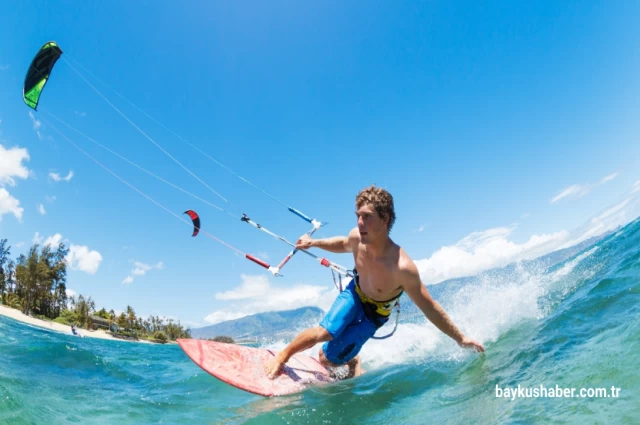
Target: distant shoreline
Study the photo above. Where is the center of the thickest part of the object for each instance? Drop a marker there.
(12, 313)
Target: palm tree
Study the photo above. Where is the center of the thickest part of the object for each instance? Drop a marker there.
(122, 321)
(59, 280)
(5, 252)
(30, 272)
(10, 276)
(131, 316)
(84, 308)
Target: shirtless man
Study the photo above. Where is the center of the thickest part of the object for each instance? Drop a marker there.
(383, 272)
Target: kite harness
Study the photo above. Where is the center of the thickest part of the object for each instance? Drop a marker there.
(376, 311)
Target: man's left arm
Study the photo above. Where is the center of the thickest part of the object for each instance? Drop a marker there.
(418, 293)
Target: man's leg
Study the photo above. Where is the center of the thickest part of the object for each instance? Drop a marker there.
(353, 364)
(339, 316)
(305, 339)
(354, 367)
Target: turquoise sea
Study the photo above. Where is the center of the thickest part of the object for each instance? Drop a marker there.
(575, 324)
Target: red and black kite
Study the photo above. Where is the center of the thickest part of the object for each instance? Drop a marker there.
(196, 221)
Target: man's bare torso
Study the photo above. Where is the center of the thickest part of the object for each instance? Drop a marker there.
(379, 278)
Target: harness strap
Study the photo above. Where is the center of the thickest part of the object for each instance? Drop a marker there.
(333, 273)
(397, 304)
(394, 327)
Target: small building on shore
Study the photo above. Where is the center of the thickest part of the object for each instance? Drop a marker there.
(102, 323)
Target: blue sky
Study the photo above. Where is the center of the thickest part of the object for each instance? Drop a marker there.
(503, 131)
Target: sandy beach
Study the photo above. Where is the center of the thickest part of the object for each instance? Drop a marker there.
(58, 327)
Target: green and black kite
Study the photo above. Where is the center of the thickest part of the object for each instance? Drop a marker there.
(39, 72)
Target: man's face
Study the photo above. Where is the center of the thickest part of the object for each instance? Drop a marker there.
(371, 226)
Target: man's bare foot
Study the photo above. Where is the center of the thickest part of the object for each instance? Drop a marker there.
(355, 367)
(358, 370)
(274, 365)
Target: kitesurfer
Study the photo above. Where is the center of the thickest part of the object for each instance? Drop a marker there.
(383, 272)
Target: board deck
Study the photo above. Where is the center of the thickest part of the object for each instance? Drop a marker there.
(243, 367)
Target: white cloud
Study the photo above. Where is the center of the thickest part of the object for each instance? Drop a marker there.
(53, 241)
(141, 269)
(421, 228)
(50, 199)
(621, 213)
(192, 324)
(222, 316)
(83, 259)
(573, 191)
(37, 124)
(20, 244)
(11, 168)
(80, 257)
(251, 287)
(80, 114)
(11, 165)
(10, 205)
(580, 190)
(609, 178)
(41, 209)
(256, 295)
(610, 211)
(56, 177)
(481, 251)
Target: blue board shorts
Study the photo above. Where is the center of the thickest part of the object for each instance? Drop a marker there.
(348, 325)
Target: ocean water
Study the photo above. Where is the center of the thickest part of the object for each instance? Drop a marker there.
(573, 325)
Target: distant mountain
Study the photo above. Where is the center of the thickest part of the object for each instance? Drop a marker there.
(262, 324)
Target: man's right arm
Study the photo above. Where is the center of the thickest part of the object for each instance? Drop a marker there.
(337, 244)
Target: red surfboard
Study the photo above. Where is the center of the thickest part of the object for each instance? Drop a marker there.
(243, 367)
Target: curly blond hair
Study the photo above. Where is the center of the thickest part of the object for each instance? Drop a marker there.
(381, 200)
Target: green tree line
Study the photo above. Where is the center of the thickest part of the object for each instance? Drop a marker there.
(36, 283)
